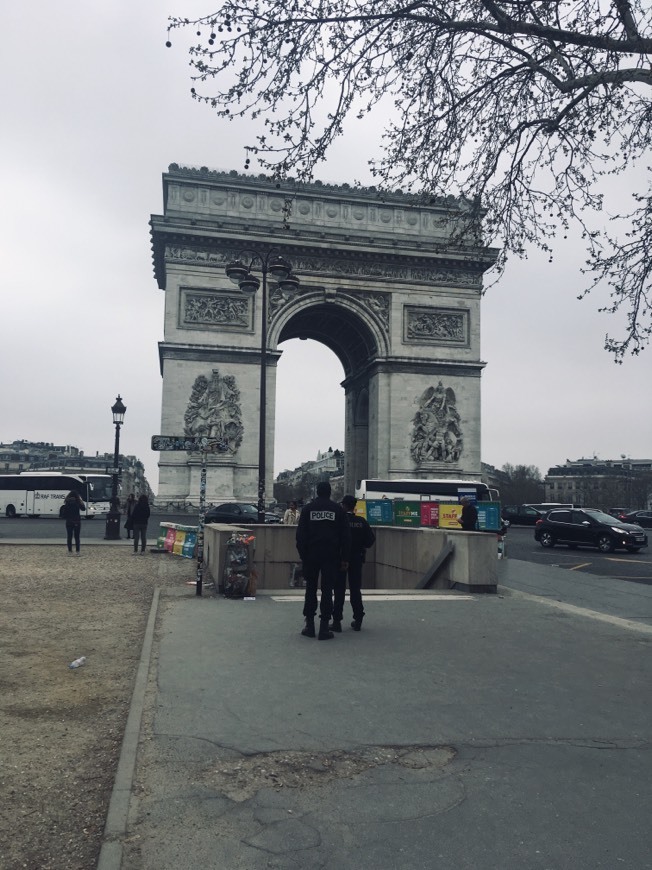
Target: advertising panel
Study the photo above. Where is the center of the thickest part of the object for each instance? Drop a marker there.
(489, 516)
(450, 516)
(380, 512)
(407, 513)
(430, 513)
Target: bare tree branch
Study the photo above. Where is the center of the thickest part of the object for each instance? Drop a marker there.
(520, 107)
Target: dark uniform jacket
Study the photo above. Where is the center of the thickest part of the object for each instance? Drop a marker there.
(323, 531)
(362, 536)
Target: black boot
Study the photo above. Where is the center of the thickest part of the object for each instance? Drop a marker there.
(336, 625)
(356, 625)
(309, 630)
(324, 633)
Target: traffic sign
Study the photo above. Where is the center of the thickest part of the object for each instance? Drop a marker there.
(201, 444)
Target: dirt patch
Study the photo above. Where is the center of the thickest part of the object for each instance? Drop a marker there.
(240, 779)
(62, 729)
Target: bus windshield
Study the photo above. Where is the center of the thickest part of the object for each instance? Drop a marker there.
(424, 490)
(99, 487)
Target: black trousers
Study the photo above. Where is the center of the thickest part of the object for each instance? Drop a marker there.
(140, 531)
(312, 569)
(72, 529)
(355, 593)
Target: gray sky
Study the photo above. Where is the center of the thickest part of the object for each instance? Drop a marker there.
(95, 108)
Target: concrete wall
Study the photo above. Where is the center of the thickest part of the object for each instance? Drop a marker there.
(398, 560)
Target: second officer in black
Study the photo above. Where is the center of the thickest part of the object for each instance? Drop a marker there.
(362, 537)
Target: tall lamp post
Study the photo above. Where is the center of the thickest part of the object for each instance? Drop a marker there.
(240, 273)
(112, 532)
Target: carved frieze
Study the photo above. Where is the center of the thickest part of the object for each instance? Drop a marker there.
(200, 255)
(435, 325)
(214, 411)
(340, 266)
(203, 309)
(436, 432)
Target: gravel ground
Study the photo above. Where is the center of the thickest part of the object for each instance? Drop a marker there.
(61, 728)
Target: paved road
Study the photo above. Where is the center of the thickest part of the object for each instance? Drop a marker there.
(631, 567)
(521, 545)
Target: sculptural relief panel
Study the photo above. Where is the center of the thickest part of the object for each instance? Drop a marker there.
(423, 325)
(206, 309)
(213, 411)
(436, 431)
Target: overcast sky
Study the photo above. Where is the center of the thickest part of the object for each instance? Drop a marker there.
(95, 108)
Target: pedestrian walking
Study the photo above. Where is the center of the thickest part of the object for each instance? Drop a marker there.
(129, 508)
(140, 516)
(323, 541)
(362, 537)
(469, 518)
(71, 512)
(291, 515)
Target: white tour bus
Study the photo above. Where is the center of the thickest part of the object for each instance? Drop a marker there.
(41, 493)
(425, 490)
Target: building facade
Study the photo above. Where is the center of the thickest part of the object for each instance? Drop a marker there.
(42, 456)
(605, 484)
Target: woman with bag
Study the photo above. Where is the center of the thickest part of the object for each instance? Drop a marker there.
(71, 512)
(129, 508)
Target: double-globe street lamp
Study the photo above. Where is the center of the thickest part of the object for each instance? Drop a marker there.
(239, 273)
(112, 532)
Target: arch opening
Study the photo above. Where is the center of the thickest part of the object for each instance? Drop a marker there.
(309, 403)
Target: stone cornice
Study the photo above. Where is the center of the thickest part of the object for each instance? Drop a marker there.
(410, 365)
(214, 354)
(291, 186)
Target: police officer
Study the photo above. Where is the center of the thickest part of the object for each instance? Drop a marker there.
(323, 541)
(362, 537)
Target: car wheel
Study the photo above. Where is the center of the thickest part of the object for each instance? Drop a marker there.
(547, 539)
(632, 549)
(605, 544)
(11, 511)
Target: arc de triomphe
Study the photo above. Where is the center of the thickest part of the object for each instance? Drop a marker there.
(383, 284)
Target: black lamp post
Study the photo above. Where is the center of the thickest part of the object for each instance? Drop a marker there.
(112, 532)
(240, 274)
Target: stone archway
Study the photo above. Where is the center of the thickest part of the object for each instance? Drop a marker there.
(384, 285)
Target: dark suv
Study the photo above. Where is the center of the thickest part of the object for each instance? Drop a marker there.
(589, 528)
(236, 512)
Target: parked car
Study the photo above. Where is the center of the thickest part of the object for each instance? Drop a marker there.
(527, 514)
(588, 527)
(639, 518)
(240, 513)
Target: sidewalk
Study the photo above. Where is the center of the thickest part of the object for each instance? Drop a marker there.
(453, 732)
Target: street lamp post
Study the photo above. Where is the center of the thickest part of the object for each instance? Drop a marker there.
(112, 532)
(240, 274)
